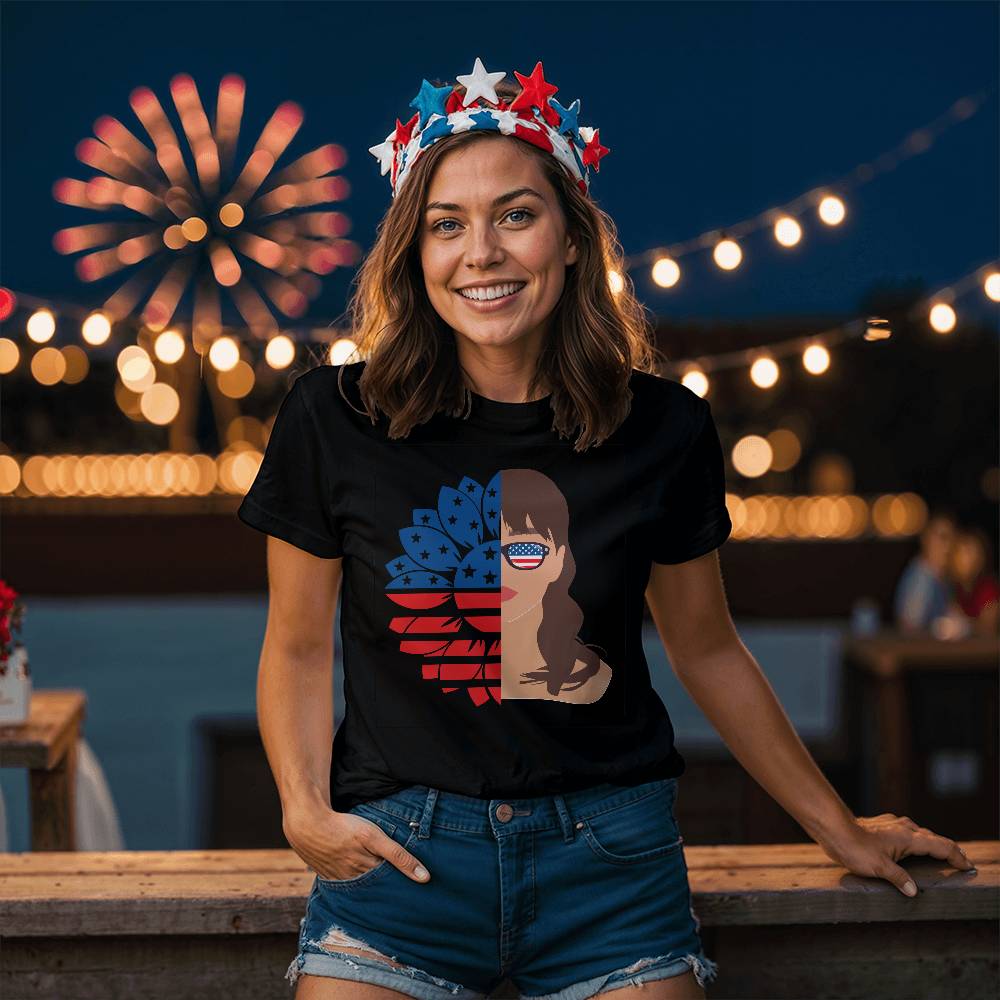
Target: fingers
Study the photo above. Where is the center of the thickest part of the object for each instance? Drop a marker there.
(928, 842)
(899, 877)
(397, 855)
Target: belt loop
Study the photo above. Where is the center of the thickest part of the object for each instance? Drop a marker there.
(565, 818)
(424, 823)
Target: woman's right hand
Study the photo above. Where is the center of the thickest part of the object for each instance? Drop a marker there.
(340, 845)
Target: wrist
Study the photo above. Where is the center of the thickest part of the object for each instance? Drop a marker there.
(304, 798)
(831, 823)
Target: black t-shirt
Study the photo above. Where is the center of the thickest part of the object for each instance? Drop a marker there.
(487, 528)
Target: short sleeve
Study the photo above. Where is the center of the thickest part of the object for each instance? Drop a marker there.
(291, 497)
(695, 519)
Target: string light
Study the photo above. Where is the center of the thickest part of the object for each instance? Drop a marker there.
(787, 231)
(224, 354)
(829, 200)
(942, 318)
(666, 272)
(169, 347)
(280, 352)
(816, 359)
(696, 380)
(727, 254)
(831, 210)
(41, 326)
(96, 329)
(764, 372)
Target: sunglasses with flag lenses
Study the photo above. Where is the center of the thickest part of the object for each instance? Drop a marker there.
(524, 555)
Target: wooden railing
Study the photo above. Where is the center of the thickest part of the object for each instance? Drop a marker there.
(781, 920)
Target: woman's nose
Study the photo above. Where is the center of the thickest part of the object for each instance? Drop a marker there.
(483, 248)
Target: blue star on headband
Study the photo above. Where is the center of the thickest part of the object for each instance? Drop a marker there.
(430, 101)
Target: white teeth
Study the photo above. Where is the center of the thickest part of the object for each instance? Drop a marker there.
(492, 292)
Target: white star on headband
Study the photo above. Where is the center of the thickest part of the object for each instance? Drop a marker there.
(461, 121)
(479, 83)
(506, 120)
(384, 153)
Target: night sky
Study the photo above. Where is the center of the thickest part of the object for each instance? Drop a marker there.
(713, 113)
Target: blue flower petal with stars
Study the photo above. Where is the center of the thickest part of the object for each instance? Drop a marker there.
(430, 101)
(480, 568)
(436, 129)
(427, 517)
(470, 488)
(400, 565)
(429, 548)
(421, 580)
(460, 514)
(568, 115)
(491, 506)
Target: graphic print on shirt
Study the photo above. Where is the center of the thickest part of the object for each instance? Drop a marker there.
(482, 587)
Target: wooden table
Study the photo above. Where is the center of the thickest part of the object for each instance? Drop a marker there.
(46, 745)
(782, 921)
(877, 670)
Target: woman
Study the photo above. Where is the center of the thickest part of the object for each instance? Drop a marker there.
(498, 485)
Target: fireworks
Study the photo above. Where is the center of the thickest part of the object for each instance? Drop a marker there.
(197, 223)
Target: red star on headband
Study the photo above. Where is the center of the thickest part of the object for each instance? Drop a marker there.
(405, 132)
(453, 103)
(535, 91)
(593, 151)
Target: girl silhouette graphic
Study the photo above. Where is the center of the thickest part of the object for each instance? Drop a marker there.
(542, 656)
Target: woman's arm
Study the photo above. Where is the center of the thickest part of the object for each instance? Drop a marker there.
(295, 676)
(295, 715)
(688, 605)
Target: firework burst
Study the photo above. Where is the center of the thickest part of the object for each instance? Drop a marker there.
(200, 223)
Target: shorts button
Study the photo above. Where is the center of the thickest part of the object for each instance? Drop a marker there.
(504, 812)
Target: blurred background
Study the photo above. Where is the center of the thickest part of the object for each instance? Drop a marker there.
(807, 197)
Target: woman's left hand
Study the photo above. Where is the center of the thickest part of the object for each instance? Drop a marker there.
(872, 845)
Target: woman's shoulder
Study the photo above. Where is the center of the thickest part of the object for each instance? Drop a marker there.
(331, 389)
(665, 403)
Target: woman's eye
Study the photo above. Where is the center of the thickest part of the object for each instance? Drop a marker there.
(438, 226)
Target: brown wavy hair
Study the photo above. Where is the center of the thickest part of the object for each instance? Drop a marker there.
(596, 338)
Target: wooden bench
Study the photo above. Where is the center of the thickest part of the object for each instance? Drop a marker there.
(780, 919)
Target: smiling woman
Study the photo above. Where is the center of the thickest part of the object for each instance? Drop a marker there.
(492, 243)
(496, 475)
(494, 267)
(499, 703)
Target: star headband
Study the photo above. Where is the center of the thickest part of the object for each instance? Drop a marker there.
(534, 116)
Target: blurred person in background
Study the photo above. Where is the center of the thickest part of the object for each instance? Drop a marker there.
(976, 587)
(925, 592)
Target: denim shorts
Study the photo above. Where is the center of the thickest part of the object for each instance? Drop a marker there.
(567, 896)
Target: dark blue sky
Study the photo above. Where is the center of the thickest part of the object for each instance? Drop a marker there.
(713, 112)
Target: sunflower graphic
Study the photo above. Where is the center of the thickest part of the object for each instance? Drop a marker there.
(446, 584)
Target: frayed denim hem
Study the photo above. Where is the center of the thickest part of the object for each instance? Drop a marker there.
(645, 970)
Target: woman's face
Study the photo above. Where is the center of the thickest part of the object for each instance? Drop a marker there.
(527, 570)
(492, 219)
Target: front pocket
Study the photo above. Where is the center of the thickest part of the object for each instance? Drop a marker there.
(402, 835)
(639, 830)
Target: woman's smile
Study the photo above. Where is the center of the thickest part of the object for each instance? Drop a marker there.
(503, 295)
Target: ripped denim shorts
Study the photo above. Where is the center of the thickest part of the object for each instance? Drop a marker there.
(567, 896)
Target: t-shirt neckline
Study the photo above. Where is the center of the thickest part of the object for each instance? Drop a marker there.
(510, 414)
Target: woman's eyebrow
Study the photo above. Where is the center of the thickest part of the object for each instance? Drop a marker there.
(448, 206)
